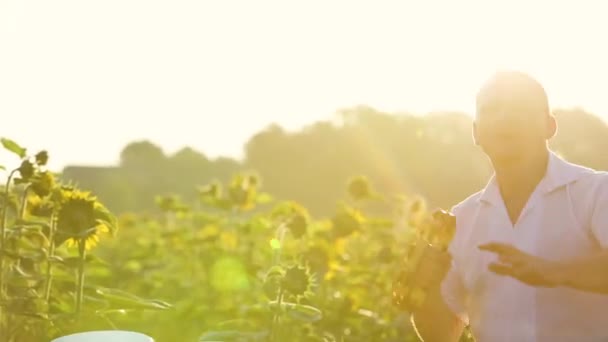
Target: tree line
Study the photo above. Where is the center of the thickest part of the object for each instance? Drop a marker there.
(430, 157)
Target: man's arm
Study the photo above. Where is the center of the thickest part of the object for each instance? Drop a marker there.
(435, 321)
(589, 274)
(442, 317)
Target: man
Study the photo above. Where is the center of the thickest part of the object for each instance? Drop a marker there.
(529, 261)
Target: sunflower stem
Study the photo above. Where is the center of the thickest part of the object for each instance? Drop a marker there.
(275, 327)
(49, 264)
(2, 241)
(279, 302)
(280, 236)
(275, 330)
(24, 202)
(80, 292)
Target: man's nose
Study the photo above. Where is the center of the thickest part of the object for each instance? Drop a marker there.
(499, 118)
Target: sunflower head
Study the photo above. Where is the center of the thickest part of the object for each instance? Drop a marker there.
(61, 193)
(298, 281)
(295, 216)
(210, 193)
(42, 158)
(317, 256)
(40, 207)
(444, 228)
(297, 225)
(346, 221)
(26, 170)
(359, 188)
(43, 183)
(82, 217)
(242, 191)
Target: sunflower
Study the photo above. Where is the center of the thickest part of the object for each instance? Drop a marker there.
(210, 193)
(347, 221)
(39, 207)
(242, 191)
(26, 170)
(42, 158)
(298, 281)
(82, 217)
(43, 183)
(295, 216)
(359, 188)
(444, 228)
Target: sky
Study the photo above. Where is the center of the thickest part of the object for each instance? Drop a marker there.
(84, 78)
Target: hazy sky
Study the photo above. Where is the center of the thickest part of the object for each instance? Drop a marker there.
(83, 78)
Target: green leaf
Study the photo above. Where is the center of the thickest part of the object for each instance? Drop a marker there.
(13, 147)
(2, 167)
(112, 311)
(103, 215)
(300, 312)
(55, 258)
(32, 222)
(124, 300)
(74, 262)
(37, 315)
(275, 270)
(306, 313)
(18, 278)
(18, 181)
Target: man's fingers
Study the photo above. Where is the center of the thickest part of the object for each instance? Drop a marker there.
(506, 252)
(509, 259)
(522, 274)
(503, 269)
(498, 247)
(509, 271)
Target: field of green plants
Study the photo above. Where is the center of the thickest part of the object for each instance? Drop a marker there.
(234, 265)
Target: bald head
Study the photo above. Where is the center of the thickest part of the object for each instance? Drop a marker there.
(513, 90)
(513, 117)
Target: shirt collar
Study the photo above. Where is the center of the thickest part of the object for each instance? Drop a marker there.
(559, 173)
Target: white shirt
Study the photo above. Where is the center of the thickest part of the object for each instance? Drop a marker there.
(566, 217)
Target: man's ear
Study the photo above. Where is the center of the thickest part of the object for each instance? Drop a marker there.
(551, 126)
(475, 138)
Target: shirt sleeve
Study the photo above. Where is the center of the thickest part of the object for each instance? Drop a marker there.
(599, 216)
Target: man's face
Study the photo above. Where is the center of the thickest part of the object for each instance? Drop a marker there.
(512, 121)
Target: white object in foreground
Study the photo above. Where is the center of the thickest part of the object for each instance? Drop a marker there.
(105, 336)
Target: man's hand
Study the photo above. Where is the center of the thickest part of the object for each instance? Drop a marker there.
(417, 279)
(526, 268)
(433, 266)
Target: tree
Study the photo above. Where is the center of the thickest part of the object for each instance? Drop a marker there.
(141, 155)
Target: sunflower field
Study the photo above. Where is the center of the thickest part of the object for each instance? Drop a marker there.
(234, 265)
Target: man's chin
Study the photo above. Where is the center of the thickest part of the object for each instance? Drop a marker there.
(505, 159)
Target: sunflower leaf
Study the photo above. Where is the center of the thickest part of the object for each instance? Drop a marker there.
(12, 146)
(104, 216)
(300, 312)
(124, 300)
